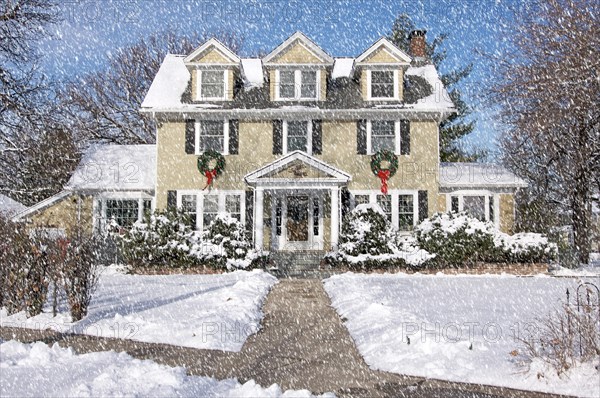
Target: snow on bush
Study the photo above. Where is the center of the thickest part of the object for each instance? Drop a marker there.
(165, 238)
(458, 240)
(368, 240)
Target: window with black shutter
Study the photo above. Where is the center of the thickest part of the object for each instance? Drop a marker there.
(423, 205)
(404, 137)
(317, 137)
(234, 128)
(361, 137)
(190, 136)
(277, 137)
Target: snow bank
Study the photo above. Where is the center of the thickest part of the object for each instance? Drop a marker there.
(461, 328)
(439, 99)
(252, 73)
(29, 370)
(199, 311)
(169, 84)
(342, 67)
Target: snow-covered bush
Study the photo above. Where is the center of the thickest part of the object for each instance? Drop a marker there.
(460, 240)
(161, 239)
(368, 241)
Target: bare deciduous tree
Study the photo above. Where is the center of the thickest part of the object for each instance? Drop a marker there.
(548, 89)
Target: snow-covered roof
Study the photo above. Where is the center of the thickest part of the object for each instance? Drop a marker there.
(169, 84)
(439, 98)
(342, 67)
(474, 175)
(10, 207)
(252, 72)
(115, 168)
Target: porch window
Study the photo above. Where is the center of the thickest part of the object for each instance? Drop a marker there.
(233, 207)
(210, 210)
(211, 136)
(385, 202)
(406, 215)
(474, 206)
(454, 204)
(189, 208)
(297, 85)
(123, 211)
(480, 206)
(382, 84)
(361, 200)
(297, 136)
(212, 84)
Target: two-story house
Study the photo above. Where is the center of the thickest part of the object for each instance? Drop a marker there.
(295, 132)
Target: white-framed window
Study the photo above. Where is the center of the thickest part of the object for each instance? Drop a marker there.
(297, 136)
(297, 84)
(398, 205)
(209, 204)
(383, 134)
(212, 85)
(124, 209)
(483, 205)
(382, 85)
(212, 135)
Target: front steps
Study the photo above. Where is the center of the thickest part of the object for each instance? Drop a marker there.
(298, 264)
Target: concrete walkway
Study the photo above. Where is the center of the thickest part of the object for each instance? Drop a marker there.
(302, 345)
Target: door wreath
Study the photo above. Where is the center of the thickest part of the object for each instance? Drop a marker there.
(211, 164)
(384, 174)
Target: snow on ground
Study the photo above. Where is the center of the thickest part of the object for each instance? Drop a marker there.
(31, 370)
(199, 311)
(443, 315)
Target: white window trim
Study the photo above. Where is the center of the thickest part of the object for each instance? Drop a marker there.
(485, 194)
(199, 96)
(394, 193)
(308, 138)
(225, 150)
(396, 137)
(298, 86)
(221, 203)
(99, 219)
(396, 96)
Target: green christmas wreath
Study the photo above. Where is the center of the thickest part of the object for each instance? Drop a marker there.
(205, 165)
(382, 156)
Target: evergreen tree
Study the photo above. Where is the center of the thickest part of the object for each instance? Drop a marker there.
(456, 126)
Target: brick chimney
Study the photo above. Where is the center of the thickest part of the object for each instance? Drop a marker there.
(417, 44)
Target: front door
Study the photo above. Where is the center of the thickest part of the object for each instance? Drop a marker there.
(297, 219)
(297, 222)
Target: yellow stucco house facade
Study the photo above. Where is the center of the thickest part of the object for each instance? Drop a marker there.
(297, 131)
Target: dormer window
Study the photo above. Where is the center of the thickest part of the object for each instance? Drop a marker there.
(382, 84)
(297, 85)
(212, 84)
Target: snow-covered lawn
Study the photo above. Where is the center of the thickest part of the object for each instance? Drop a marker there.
(32, 370)
(461, 328)
(199, 311)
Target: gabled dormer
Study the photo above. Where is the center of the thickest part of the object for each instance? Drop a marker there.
(298, 70)
(212, 67)
(381, 69)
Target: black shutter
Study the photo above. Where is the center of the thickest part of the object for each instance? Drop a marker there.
(345, 202)
(491, 208)
(361, 137)
(234, 129)
(404, 137)
(190, 136)
(277, 137)
(171, 200)
(249, 211)
(423, 207)
(317, 137)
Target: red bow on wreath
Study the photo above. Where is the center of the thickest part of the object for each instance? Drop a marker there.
(210, 175)
(384, 175)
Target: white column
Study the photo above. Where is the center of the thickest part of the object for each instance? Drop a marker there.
(258, 218)
(335, 216)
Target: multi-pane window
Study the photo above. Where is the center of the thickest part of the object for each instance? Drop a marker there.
(406, 213)
(211, 209)
(188, 207)
(297, 136)
(382, 84)
(474, 206)
(361, 200)
(385, 202)
(454, 204)
(211, 136)
(212, 84)
(287, 84)
(308, 85)
(296, 84)
(232, 206)
(123, 211)
(383, 135)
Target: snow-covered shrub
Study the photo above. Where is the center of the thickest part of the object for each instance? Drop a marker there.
(460, 240)
(230, 248)
(368, 241)
(80, 272)
(161, 239)
(456, 240)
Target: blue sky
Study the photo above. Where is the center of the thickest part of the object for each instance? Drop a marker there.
(92, 29)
